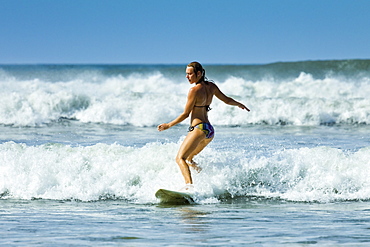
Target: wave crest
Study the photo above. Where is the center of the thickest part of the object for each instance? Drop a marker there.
(151, 97)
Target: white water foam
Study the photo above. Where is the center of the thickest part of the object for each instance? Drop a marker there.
(147, 100)
(102, 171)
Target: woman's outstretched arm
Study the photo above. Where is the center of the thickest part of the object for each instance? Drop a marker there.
(187, 110)
(228, 100)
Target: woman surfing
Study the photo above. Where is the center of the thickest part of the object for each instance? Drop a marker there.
(201, 132)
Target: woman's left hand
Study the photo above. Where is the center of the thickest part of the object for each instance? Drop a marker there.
(163, 126)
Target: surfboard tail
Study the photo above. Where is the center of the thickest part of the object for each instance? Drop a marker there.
(174, 197)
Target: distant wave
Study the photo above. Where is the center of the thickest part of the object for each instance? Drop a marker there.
(302, 93)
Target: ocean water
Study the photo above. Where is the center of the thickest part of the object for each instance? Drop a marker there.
(81, 159)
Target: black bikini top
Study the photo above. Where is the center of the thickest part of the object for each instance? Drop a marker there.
(206, 106)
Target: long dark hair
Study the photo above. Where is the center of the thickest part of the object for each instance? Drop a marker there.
(198, 67)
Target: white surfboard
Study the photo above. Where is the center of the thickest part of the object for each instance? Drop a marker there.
(174, 197)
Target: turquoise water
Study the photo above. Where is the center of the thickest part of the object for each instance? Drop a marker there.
(251, 221)
(81, 159)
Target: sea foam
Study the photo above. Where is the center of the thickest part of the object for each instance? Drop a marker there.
(103, 171)
(151, 100)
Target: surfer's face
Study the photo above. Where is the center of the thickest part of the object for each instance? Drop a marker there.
(191, 76)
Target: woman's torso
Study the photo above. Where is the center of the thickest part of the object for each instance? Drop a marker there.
(204, 95)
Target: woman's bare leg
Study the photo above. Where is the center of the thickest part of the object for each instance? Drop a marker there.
(190, 144)
(199, 148)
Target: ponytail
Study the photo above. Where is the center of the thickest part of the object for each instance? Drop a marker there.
(198, 67)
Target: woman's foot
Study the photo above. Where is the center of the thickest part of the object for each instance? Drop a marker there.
(187, 188)
(194, 165)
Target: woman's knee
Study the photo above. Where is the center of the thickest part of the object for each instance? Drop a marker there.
(179, 159)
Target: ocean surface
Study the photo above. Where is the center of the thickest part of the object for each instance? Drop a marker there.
(81, 158)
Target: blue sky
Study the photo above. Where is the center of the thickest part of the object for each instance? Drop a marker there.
(174, 31)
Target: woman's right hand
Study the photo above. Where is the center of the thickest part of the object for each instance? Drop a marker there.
(243, 107)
